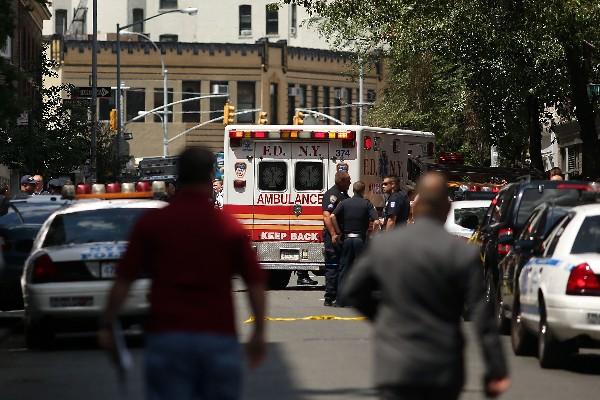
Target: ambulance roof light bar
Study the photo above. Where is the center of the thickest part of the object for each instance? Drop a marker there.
(292, 134)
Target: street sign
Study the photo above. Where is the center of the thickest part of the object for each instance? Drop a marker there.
(593, 90)
(86, 92)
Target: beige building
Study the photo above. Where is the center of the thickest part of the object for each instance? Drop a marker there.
(272, 77)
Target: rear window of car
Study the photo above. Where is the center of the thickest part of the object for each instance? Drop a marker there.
(533, 198)
(109, 225)
(32, 213)
(461, 214)
(588, 237)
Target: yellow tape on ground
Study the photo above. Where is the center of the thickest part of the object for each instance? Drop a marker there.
(309, 318)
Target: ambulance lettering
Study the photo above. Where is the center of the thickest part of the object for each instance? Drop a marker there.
(310, 151)
(273, 151)
(308, 237)
(273, 236)
(288, 199)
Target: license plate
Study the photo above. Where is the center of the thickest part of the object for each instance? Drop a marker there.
(108, 270)
(290, 254)
(593, 318)
(72, 301)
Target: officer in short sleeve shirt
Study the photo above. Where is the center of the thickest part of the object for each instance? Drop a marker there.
(397, 206)
(331, 199)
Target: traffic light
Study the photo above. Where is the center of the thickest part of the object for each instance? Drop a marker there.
(298, 118)
(262, 118)
(113, 120)
(228, 114)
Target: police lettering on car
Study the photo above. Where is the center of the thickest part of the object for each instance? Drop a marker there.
(336, 194)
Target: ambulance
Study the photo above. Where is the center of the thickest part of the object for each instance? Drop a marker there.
(276, 176)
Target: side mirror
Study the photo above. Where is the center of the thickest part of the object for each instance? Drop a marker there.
(470, 221)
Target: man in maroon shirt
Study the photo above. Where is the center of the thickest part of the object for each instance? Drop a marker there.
(191, 252)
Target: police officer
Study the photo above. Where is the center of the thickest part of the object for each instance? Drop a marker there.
(351, 219)
(336, 194)
(397, 206)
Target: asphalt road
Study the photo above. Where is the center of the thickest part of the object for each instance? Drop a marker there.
(308, 359)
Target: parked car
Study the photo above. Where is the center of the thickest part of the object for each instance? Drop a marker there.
(465, 216)
(507, 215)
(557, 299)
(67, 277)
(19, 224)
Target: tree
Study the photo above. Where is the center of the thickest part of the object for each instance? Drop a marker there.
(512, 59)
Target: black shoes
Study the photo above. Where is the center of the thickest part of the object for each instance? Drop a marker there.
(304, 279)
(328, 303)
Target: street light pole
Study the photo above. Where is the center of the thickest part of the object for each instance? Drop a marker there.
(165, 115)
(118, 95)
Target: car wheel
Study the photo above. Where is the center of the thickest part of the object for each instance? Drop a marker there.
(502, 322)
(38, 335)
(279, 279)
(522, 341)
(551, 352)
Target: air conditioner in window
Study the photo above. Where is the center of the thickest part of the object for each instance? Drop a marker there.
(293, 31)
(220, 89)
(341, 93)
(294, 91)
(246, 32)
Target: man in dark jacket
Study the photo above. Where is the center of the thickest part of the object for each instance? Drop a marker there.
(423, 276)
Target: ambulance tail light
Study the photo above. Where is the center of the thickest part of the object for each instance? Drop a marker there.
(350, 135)
(236, 134)
(259, 135)
(319, 135)
(583, 282)
(44, 270)
(367, 143)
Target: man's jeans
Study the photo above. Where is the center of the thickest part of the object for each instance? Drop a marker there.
(192, 365)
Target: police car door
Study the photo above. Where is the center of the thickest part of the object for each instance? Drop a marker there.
(272, 191)
(309, 182)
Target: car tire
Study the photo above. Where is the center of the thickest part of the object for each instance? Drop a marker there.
(39, 335)
(551, 352)
(522, 341)
(502, 322)
(279, 279)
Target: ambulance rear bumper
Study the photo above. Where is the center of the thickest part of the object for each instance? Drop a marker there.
(293, 266)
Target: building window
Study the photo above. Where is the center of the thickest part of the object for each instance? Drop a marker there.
(246, 98)
(217, 104)
(273, 100)
(138, 20)
(292, 90)
(337, 112)
(245, 20)
(272, 19)
(302, 94)
(60, 21)
(135, 102)
(191, 109)
(371, 96)
(159, 102)
(294, 20)
(168, 38)
(315, 97)
(168, 4)
(326, 103)
(350, 107)
(105, 105)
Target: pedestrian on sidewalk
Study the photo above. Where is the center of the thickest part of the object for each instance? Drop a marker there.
(191, 251)
(351, 220)
(413, 283)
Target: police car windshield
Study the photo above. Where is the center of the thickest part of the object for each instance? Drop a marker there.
(108, 225)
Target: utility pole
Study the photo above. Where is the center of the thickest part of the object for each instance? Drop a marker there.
(361, 81)
(94, 89)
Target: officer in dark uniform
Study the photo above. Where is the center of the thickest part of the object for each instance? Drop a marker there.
(397, 206)
(336, 194)
(351, 219)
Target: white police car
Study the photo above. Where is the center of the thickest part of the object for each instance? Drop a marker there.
(558, 294)
(465, 216)
(69, 272)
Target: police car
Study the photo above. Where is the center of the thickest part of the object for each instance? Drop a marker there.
(67, 277)
(558, 293)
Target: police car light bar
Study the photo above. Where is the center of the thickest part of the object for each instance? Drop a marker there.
(112, 191)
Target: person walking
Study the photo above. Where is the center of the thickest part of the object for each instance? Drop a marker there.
(351, 220)
(397, 208)
(191, 251)
(413, 283)
(331, 198)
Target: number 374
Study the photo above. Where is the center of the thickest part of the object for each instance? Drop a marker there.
(342, 153)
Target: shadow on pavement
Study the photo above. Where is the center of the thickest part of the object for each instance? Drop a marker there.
(345, 392)
(306, 288)
(584, 364)
(273, 380)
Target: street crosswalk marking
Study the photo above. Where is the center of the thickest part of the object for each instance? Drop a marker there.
(251, 319)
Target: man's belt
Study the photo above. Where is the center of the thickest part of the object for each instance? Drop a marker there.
(353, 235)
